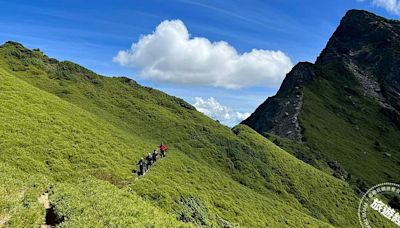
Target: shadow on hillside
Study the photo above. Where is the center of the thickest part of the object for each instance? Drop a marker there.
(52, 218)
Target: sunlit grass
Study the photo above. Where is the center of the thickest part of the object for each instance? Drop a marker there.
(79, 135)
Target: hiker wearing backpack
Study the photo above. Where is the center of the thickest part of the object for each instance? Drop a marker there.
(155, 155)
(163, 149)
(142, 167)
(148, 161)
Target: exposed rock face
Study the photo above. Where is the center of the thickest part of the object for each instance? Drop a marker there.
(279, 114)
(368, 46)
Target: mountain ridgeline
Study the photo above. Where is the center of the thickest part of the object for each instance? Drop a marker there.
(342, 114)
(76, 136)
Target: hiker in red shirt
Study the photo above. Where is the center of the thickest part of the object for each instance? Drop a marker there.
(163, 149)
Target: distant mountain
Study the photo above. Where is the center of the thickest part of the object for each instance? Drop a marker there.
(342, 114)
(76, 135)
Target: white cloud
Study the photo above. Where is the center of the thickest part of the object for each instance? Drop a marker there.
(392, 6)
(242, 116)
(171, 55)
(217, 111)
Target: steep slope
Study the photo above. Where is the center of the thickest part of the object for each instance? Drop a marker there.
(46, 141)
(80, 140)
(347, 113)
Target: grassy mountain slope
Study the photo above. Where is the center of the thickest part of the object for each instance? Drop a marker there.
(366, 134)
(78, 135)
(46, 141)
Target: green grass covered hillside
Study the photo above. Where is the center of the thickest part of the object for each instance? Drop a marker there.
(78, 136)
(350, 128)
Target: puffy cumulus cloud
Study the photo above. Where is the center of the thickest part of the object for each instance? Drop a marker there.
(392, 6)
(212, 108)
(171, 55)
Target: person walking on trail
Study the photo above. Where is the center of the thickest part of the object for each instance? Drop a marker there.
(155, 155)
(163, 149)
(149, 160)
(142, 167)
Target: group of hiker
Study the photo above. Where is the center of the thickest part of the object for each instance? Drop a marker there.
(145, 163)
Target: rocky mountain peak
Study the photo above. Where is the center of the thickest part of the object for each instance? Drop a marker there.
(279, 114)
(344, 110)
(365, 45)
(369, 47)
(301, 73)
(359, 33)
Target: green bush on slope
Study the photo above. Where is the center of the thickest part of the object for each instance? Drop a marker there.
(18, 197)
(97, 203)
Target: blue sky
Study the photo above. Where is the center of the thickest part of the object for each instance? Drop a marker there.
(91, 33)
